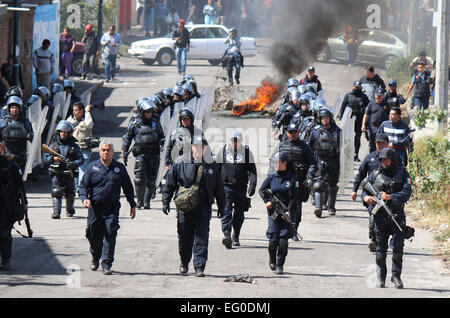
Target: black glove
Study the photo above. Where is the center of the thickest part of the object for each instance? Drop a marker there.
(220, 213)
(166, 209)
(251, 191)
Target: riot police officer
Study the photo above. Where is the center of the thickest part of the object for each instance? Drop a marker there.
(193, 84)
(181, 137)
(357, 101)
(187, 92)
(64, 171)
(12, 91)
(45, 96)
(69, 88)
(238, 170)
(285, 113)
(195, 167)
(325, 142)
(303, 113)
(301, 163)
(393, 183)
(148, 138)
(284, 184)
(178, 94)
(370, 164)
(100, 193)
(168, 93)
(15, 130)
(12, 194)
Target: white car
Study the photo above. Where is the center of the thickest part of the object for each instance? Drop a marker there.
(207, 43)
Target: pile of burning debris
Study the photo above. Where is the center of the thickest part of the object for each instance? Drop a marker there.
(254, 107)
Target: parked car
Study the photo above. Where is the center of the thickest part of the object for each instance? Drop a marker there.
(77, 60)
(207, 43)
(376, 47)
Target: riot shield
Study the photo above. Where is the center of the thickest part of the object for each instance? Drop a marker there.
(164, 120)
(58, 101)
(171, 128)
(322, 94)
(66, 106)
(347, 149)
(34, 155)
(336, 106)
(207, 107)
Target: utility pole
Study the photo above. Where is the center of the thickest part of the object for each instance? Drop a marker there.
(100, 18)
(442, 62)
(412, 26)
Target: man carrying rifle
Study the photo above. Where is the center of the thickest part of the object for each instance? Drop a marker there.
(64, 161)
(12, 192)
(285, 186)
(386, 191)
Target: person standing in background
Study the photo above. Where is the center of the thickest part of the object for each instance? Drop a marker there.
(67, 46)
(210, 12)
(111, 41)
(139, 10)
(44, 64)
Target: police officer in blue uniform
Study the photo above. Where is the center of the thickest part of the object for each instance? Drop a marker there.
(286, 112)
(193, 226)
(283, 184)
(301, 163)
(64, 171)
(100, 193)
(393, 182)
(370, 164)
(11, 190)
(238, 171)
(325, 142)
(357, 101)
(16, 130)
(148, 137)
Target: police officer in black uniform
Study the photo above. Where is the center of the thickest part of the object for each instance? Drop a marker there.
(148, 138)
(393, 182)
(303, 113)
(286, 112)
(284, 184)
(357, 101)
(238, 170)
(376, 113)
(193, 226)
(370, 164)
(325, 142)
(177, 143)
(11, 190)
(100, 193)
(64, 172)
(178, 94)
(301, 163)
(15, 130)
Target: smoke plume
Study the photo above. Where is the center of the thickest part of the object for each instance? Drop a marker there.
(304, 26)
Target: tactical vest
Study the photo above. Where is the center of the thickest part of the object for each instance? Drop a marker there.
(392, 100)
(328, 142)
(422, 86)
(146, 141)
(296, 157)
(71, 155)
(15, 136)
(356, 104)
(389, 184)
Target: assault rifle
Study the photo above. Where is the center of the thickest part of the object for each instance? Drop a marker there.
(279, 208)
(407, 231)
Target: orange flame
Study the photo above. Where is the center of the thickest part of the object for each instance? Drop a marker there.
(265, 95)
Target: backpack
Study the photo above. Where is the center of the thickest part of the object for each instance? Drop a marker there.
(188, 198)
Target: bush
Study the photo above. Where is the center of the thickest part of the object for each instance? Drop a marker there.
(429, 169)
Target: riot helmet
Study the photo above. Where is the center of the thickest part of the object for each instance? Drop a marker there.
(187, 112)
(69, 84)
(140, 101)
(310, 88)
(14, 101)
(64, 125)
(292, 82)
(34, 98)
(14, 91)
(178, 90)
(159, 103)
(294, 96)
(43, 91)
(56, 88)
(168, 92)
(147, 106)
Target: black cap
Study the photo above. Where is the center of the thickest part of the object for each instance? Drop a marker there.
(380, 91)
(382, 138)
(357, 84)
(292, 127)
(311, 68)
(388, 153)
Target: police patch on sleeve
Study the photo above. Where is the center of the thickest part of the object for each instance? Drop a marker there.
(116, 170)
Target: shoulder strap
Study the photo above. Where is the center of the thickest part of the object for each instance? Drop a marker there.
(199, 175)
(224, 154)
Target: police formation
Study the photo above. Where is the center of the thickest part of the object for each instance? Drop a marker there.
(307, 162)
(305, 165)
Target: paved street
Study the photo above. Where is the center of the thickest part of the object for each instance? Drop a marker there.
(332, 260)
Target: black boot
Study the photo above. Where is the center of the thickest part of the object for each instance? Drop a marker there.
(95, 263)
(140, 192)
(381, 269)
(318, 204)
(235, 240)
(332, 200)
(57, 204)
(149, 193)
(273, 255)
(70, 200)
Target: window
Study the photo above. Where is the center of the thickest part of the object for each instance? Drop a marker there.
(219, 32)
(382, 38)
(199, 33)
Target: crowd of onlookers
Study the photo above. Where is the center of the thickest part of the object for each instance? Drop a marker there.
(162, 16)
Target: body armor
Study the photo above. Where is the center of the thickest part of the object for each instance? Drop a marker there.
(146, 140)
(296, 157)
(389, 184)
(70, 154)
(15, 136)
(356, 104)
(422, 86)
(392, 100)
(328, 143)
